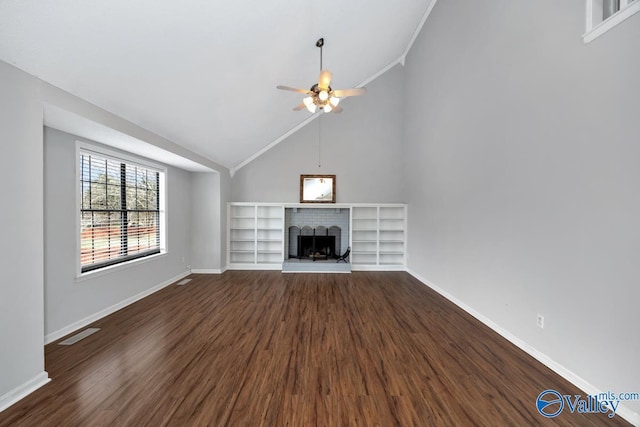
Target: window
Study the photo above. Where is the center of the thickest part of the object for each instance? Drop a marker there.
(120, 215)
(602, 15)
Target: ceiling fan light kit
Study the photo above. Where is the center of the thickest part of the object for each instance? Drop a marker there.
(321, 95)
(308, 102)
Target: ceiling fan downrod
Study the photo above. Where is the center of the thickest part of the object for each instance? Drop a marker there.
(319, 44)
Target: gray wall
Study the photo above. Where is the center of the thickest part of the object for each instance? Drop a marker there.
(22, 318)
(207, 241)
(361, 146)
(21, 283)
(522, 154)
(69, 300)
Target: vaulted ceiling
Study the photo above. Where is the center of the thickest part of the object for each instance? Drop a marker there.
(204, 73)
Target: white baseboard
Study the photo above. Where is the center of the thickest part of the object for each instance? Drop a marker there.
(382, 267)
(256, 267)
(53, 336)
(316, 272)
(582, 384)
(207, 271)
(23, 390)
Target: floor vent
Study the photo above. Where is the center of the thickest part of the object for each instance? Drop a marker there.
(183, 282)
(77, 337)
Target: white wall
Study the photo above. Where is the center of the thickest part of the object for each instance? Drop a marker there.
(361, 146)
(522, 149)
(21, 216)
(69, 299)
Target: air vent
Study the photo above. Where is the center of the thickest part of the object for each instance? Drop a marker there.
(79, 336)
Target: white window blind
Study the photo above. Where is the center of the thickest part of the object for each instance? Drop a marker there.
(119, 211)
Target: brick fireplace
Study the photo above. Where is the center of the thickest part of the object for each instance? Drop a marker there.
(316, 233)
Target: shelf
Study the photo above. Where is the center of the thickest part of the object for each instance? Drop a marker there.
(378, 235)
(256, 233)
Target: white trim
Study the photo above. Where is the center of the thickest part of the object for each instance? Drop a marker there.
(615, 19)
(588, 16)
(559, 369)
(122, 156)
(208, 271)
(117, 267)
(417, 31)
(302, 124)
(257, 267)
(92, 148)
(56, 335)
(311, 118)
(273, 143)
(379, 73)
(78, 204)
(378, 267)
(22, 391)
(316, 272)
(319, 205)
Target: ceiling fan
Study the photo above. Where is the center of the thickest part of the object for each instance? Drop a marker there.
(321, 95)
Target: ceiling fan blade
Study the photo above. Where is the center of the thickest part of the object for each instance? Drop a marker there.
(299, 107)
(340, 93)
(324, 80)
(292, 89)
(337, 109)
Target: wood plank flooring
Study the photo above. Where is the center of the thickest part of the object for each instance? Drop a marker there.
(273, 349)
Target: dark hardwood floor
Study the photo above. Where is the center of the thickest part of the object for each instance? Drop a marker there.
(273, 349)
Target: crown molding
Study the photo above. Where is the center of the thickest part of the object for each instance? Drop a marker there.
(311, 118)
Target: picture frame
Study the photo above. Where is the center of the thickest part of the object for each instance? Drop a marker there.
(317, 188)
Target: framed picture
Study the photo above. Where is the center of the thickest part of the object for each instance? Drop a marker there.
(317, 188)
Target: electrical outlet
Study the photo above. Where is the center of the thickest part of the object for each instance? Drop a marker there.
(540, 321)
(188, 267)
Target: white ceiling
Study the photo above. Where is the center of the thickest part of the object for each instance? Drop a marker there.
(203, 74)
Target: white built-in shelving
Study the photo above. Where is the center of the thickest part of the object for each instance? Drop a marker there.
(378, 239)
(255, 236)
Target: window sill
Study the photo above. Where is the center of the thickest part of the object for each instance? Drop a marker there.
(81, 277)
(614, 20)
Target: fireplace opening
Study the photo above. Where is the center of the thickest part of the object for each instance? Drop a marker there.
(320, 243)
(316, 247)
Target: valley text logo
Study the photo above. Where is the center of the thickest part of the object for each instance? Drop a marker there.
(550, 403)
